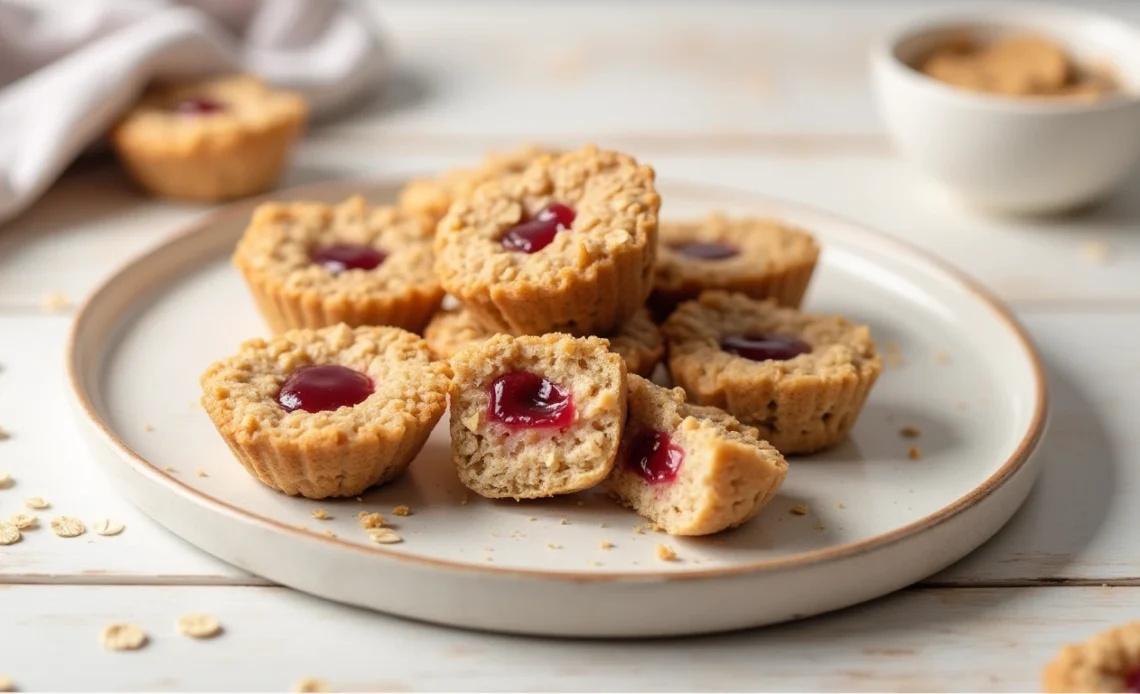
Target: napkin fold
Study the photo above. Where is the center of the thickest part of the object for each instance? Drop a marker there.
(69, 68)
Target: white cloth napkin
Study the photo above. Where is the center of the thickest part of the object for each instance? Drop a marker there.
(68, 68)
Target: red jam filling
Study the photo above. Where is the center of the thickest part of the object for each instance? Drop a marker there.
(532, 235)
(706, 251)
(522, 400)
(348, 256)
(201, 106)
(765, 346)
(323, 387)
(653, 456)
(1132, 682)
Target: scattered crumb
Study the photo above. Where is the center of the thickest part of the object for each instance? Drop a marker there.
(488, 549)
(960, 404)
(384, 536)
(666, 553)
(23, 521)
(494, 533)
(819, 526)
(941, 357)
(593, 563)
(54, 302)
(635, 562)
(552, 545)
(639, 530)
(892, 353)
(532, 519)
(106, 526)
(169, 468)
(122, 637)
(311, 684)
(3, 434)
(1095, 252)
(839, 504)
(360, 500)
(320, 514)
(66, 526)
(9, 534)
(602, 525)
(580, 503)
(401, 510)
(464, 500)
(914, 453)
(563, 521)
(370, 521)
(199, 626)
(5, 479)
(800, 510)
(606, 544)
(201, 473)
(6, 684)
(910, 432)
(36, 502)
(330, 533)
(488, 559)
(148, 428)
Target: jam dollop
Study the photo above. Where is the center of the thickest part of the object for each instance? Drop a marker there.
(532, 235)
(323, 387)
(200, 106)
(710, 250)
(1132, 681)
(765, 346)
(348, 256)
(653, 455)
(523, 400)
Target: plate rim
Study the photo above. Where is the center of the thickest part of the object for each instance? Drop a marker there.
(1015, 463)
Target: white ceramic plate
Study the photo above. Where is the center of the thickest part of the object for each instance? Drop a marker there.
(962, 372)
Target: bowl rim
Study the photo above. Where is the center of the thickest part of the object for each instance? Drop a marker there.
(884, 56)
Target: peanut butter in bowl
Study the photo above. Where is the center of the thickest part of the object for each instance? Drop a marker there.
(1018, 65)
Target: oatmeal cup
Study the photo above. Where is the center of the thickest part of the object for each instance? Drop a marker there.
(329, 412)
(1107, 662)
(536, 416)
(691, 470)
(209, 140)
(638, 342)
(310, 265)
(801, 379)
(433, 197)
(761, 258)
(568, 245)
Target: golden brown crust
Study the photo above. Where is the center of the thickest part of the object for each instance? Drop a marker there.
(1104, 663)
(775, 261)
(497, 462)
(727, 474)
(291, 291)
(332, 453)
(238, 152)
(589, 280)
(800, 405)
(638, 342)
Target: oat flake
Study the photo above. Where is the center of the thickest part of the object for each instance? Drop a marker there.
(106, 526)
(66, 526)
(36, 502)
(122, 637)
(5, 479)
(6, 684)
(9, 534)
(199, 626)
(384, 536)
(401, 510)
(320, 514)
(23, 521)
(311, 684)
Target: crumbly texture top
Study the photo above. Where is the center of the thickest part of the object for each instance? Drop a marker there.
(1101, 664)
(696, 328)
(434, 196)
(766, 247)
(251, 107)
(616, 207)
(281, 237)
(241, 391)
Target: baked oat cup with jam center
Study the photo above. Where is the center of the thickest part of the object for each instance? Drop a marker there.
(329, 412)
(800, 378)
(566, 246)
(761, 258)
(1107, 662)
(311, 265)
(536, 416)
(209, 140)
(638, 342)
(691, 470)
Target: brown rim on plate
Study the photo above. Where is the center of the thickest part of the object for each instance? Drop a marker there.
(1008, 469)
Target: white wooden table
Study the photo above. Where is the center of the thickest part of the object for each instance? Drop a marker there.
(771, 97)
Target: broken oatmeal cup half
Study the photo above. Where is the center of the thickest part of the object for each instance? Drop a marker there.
(329, 412)
(536, 416)
(800, 378)
(691, 470)
(568, 245)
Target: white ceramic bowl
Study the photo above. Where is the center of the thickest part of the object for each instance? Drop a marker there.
(1014, 154)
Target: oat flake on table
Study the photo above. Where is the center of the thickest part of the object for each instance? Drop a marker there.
(312, 684)
(6, 684)
(36, 502)
(122, 637)
(9, 534)
(66, 526)
(23, 521)
(106, 526)
(384, 536)
(199, 626)
(5, 479)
